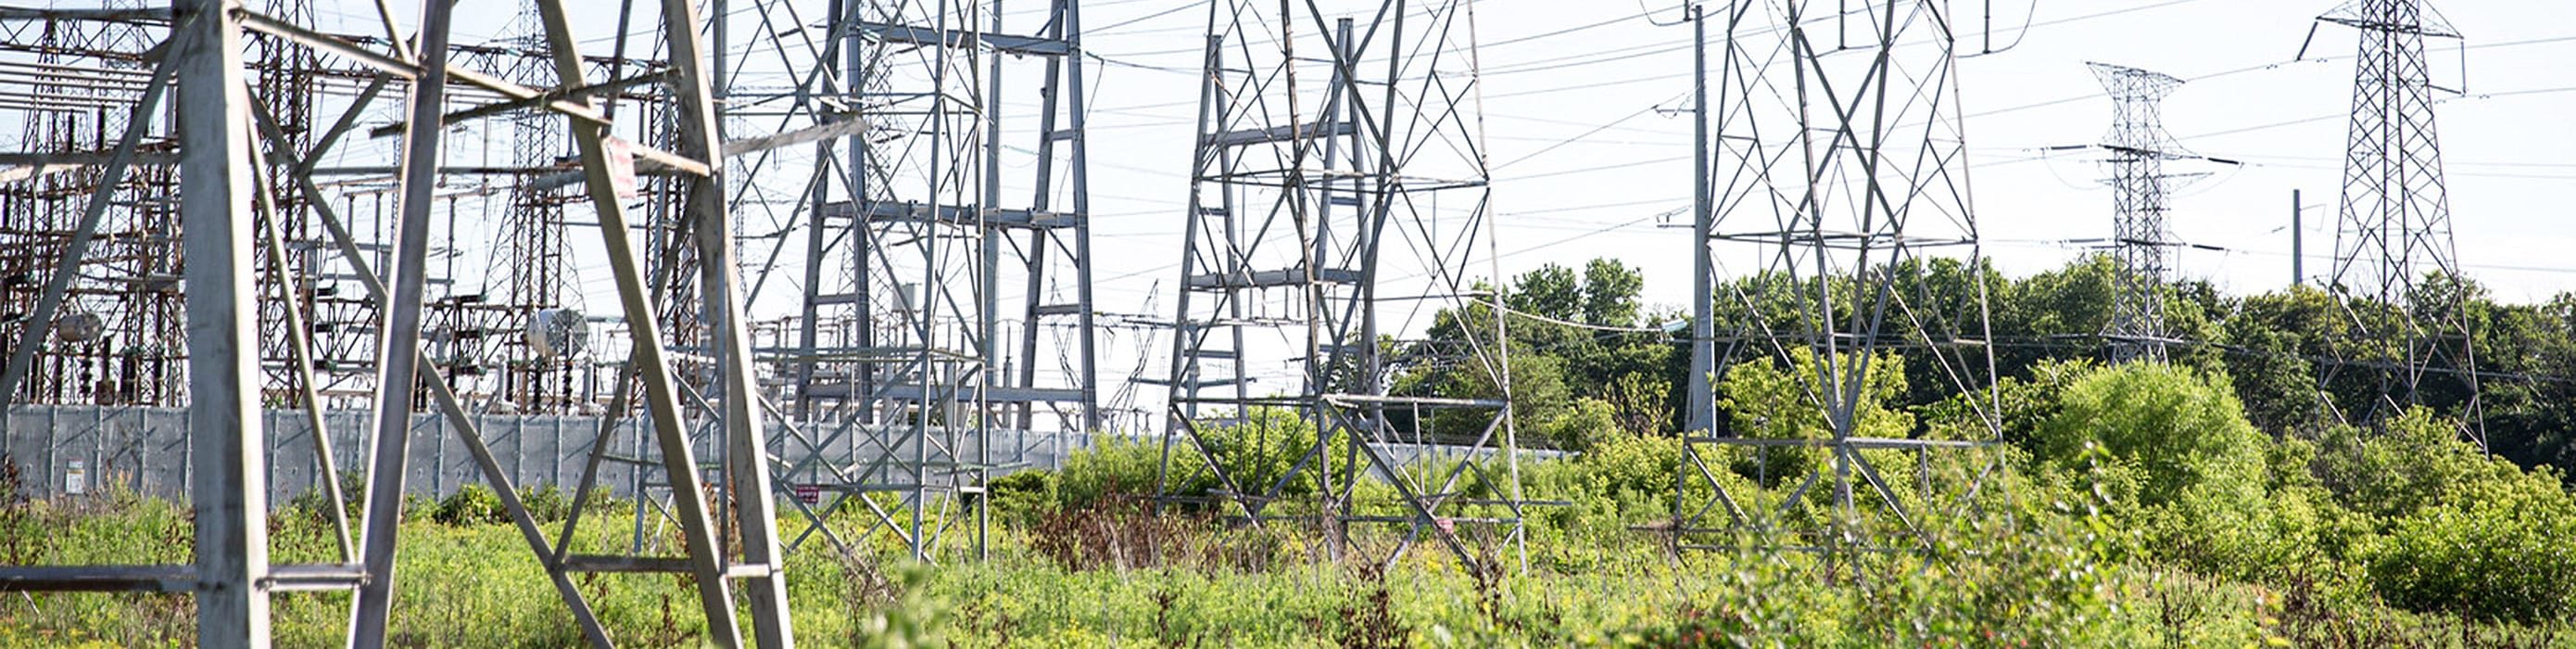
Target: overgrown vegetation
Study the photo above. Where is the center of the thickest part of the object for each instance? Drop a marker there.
(2210, 501)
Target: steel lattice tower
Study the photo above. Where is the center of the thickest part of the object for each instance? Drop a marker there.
(2395, 268)
(947, 315)
(2141, 238)
(1338, 199)
(1839, 180)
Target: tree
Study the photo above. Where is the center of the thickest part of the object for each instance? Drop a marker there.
(1610, 293)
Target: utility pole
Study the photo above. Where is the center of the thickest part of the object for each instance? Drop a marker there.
(1703, 332)
(2298, 242)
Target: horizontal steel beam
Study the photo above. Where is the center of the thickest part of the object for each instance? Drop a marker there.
(582, 92)
(844, 127)
(1373, 399)
(1275, 278)
(909, 35)
(83, 158)
(154, 14)
(953, 215)
(1276, 134)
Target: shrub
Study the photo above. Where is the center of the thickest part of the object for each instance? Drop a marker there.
(1115, 466)
(1631, 467)
(2502, 554)
(2183, 463)
(1022, 493)
(1580, 426)
(546, 504)
(2174, 428)
(2463, 532)
(1768, 401)
(473, 505)
(1261, 448)
(2413, 462)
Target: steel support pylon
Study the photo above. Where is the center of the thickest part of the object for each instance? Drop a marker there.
(1837, 184)
(1338, 200)
(2141, 239)
(946, 319)
(2396, 271)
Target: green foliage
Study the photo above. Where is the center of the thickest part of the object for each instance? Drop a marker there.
(546, 504)
(473, 505)
(1766, 401)
(2464, 533)
(1580, 427)
(2202, 503)
(2502, 554)
(1257, 451)
(2172, 429)
(1113, 467)
(914, 620)
(1260, 448)
(2184, 464)
(1561, 354)
(2413, 462)
(1023, 495)
(1610, 292)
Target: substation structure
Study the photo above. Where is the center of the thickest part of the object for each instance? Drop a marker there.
(1833, 180)
(1339, 196)
(2396, 271)
(325, 219)
(98, 398)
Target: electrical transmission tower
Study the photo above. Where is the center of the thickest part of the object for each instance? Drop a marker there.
(1338, 199)
(947, 314)
(1839, 182)
(2395, 269)
(2142, 238)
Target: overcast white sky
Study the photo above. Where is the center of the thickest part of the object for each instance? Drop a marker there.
(1598, 195)
(1587, 166)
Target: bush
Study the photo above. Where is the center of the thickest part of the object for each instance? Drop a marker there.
(546, 504)
(1766, 400)
(1580, 426)
(2181, 461)
(2171, 428)
(2502, 554)
(1021, 496)
(1114, 467)
(473, 505)
(2462, 532)
(1260, 449)
(2413, 462)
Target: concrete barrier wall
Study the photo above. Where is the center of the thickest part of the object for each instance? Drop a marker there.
(94, 448)
(58, 448)
(55, 449)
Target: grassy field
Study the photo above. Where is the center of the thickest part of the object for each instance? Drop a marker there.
(1180, 581)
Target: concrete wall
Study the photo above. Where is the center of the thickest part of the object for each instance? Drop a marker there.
(147, 450)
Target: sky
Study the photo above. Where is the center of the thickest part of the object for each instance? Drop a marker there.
(1587, 165)
(1588, 136)
(1588, 130)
